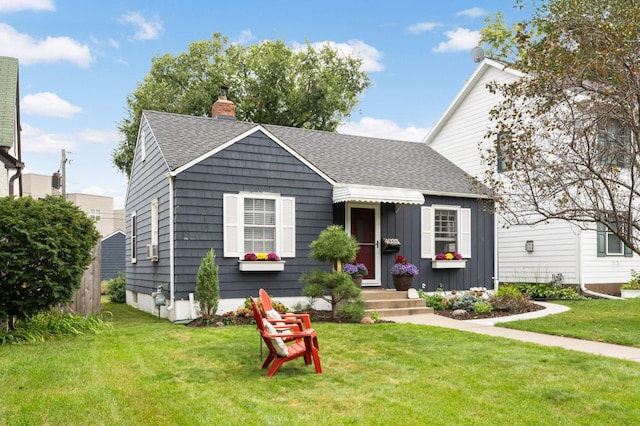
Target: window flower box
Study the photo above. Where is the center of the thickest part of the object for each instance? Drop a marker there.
(448, 264)
(261, 262)
(261, 266)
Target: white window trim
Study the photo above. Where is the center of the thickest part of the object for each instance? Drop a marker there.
(427, 234)
(233, 224)
(134, 236)
(143, 145)
(154, 222)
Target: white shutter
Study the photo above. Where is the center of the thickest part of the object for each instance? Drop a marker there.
(288, 227)
(231, 225)
(426, 233)
(465, 233)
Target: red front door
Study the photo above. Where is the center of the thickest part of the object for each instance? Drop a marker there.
(363, 227)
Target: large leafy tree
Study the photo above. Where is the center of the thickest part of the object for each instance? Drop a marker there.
(568, 131)
(313, 88)
(45, 247)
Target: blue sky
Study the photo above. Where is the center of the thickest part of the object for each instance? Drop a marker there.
(80, 59)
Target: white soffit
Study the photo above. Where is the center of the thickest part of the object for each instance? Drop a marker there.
(374, 194)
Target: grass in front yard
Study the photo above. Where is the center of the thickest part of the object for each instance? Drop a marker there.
(145, 371)
(602, 320)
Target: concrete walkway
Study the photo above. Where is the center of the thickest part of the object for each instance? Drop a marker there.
(486, 326)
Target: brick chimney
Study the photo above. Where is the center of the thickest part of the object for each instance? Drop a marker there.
(223, 108)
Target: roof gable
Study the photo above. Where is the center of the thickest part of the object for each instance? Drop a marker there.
(486, 65)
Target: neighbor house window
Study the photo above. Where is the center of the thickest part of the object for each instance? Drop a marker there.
(94, 214)
(259, 223)
(134, 234)
(502, 147)
(445, 229)
(614, 140)
(609, 244)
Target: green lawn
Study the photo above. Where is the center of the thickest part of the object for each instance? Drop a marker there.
(145, 371)
(602, 320)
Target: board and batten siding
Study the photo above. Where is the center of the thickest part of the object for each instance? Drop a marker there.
(255, 164)
(148, 181)
(405, 225)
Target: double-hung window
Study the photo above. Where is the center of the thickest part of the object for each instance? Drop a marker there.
(445, 229)
(259, 223)
(609, 244)
(503, 163)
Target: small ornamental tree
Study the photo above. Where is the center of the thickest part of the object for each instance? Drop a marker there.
(45, 247)
(208, 285)
(333, 245)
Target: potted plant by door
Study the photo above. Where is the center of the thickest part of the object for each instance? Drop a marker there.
(357, 271)
(403, 272)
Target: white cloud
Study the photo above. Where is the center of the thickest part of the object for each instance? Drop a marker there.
(245, 37)
(423, 27)
(48, 104)
(460, 39)
(108, 42)
(52, 49)
(474, 12)
(370, 55)
(38, 141)
(98, 136)
(18, 5)
(385, 129)
(144, 29)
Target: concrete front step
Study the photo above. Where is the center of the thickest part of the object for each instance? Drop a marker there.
(390, 303)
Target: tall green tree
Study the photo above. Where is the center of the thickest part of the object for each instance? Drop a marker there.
(208, 285)
(270, 83)
(45, 247)
(569, 129)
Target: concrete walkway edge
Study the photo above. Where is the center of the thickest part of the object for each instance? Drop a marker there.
(486, 326)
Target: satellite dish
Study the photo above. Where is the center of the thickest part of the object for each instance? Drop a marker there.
(477, 54)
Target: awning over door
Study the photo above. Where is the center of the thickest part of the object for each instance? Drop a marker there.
(376, 194)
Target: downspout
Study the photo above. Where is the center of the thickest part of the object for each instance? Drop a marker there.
(496, 277)
(581, 283)
(172, 288)
(17, 175)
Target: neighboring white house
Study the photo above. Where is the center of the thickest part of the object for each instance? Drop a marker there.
(526, 253)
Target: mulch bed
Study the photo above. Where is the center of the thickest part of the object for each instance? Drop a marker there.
(494, 314)
(325, 316)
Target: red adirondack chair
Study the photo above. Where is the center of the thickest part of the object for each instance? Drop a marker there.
(302, 344)
(269, 312)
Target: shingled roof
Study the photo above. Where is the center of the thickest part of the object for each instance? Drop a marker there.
(8, 100)
(346, 159)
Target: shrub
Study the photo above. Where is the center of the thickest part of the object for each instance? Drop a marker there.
(634, 283)
(466, 301)
(116, 289)
(435, 301)
(548, 291)
(511, 301)
(352, 311)
(482, 307)
(45, 247)
(208, 285)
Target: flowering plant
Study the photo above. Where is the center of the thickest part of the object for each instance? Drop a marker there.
(261, 256)
(448, 256)
(403, 267)
(357, 269)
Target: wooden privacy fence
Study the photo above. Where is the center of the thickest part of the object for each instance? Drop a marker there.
(86, 299)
